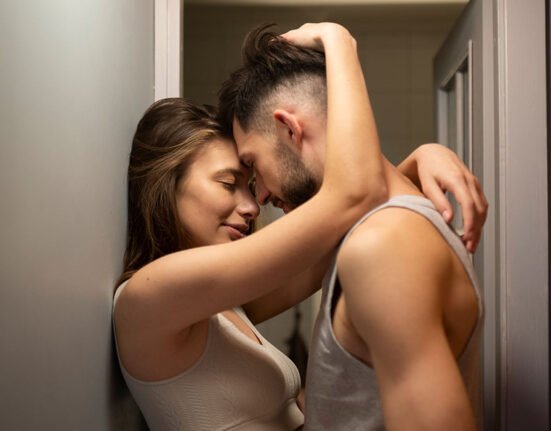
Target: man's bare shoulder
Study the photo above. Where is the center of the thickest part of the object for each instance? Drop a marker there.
(395, 243)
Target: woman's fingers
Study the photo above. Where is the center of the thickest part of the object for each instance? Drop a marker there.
(480, 211)
(440, 170)
(310, 35)
(307, 35)
(435, 193)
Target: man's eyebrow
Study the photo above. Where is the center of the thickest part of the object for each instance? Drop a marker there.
(244, 159)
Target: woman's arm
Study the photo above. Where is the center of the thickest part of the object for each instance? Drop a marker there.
(436, 169)
(177, 290)
(290, 292)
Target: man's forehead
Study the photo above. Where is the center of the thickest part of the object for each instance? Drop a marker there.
(243, 139)
(238, 133)
(237, 129)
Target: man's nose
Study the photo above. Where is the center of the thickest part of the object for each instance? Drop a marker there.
(262, 193)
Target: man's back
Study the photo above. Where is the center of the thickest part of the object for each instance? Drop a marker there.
(408, 309)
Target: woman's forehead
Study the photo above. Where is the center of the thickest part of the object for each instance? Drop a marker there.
(221, 155)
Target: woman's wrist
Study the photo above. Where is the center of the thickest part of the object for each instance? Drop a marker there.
(409, 168)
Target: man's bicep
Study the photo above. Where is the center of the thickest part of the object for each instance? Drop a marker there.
(422, 389)
(389, 312)
(397, 310)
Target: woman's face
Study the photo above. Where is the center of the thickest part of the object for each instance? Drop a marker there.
(214, 201)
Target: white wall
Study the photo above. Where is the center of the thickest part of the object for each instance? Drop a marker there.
(75, 77)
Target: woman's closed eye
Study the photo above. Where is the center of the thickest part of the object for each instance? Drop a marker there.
(229, 185)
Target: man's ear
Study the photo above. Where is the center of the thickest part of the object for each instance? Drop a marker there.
(288, 127)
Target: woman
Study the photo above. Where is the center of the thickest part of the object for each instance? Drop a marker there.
(188, 352)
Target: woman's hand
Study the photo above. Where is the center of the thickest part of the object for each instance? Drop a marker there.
(436, 169)
(311, 35)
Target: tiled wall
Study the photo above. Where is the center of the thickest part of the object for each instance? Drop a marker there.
(396, 46)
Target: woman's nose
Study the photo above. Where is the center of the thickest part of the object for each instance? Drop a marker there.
(248, 208)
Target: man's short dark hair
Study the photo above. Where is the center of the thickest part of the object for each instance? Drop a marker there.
(270, 64)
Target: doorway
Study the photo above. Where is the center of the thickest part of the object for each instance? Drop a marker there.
(512, 155)
(396, 42)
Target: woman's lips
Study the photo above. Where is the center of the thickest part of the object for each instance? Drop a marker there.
(236, 231)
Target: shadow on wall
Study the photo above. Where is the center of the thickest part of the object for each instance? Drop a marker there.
(123, 412)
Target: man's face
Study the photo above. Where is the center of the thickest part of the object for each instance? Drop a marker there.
(281, 176)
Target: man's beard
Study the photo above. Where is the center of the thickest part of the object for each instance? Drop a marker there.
(298, 182)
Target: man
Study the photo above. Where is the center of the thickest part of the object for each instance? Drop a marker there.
(396, 340)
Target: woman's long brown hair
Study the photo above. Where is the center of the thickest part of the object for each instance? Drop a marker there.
(169, 136)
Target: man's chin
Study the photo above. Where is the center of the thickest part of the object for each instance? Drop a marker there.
(287, 208)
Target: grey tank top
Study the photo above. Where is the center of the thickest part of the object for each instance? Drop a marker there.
(342, 391)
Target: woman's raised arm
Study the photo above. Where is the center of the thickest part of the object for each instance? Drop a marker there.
(177, 290)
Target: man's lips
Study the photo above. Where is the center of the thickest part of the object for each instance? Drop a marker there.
(278, 203)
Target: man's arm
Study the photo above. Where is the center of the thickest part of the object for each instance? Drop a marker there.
(436, 169)
(292, 291)
(394, 274)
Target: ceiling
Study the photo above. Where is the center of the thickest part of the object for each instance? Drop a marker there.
(324, 2)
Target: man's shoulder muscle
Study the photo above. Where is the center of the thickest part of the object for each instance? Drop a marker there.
(393, 244)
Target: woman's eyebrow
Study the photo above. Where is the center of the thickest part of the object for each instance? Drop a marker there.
(230, 171)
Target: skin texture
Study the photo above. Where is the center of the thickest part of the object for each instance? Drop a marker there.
(214, 200)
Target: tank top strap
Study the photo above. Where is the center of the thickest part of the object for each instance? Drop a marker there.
(426, 208)
(402, 201)
(118, 292)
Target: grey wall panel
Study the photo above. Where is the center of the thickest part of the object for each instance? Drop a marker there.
(524, 254)
(75, 77)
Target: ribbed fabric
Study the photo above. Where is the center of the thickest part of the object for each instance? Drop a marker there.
(341, 391)
(236, 384)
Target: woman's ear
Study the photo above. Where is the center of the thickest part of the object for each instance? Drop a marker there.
(288, 127)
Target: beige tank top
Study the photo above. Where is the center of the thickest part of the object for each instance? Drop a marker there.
(236, 384)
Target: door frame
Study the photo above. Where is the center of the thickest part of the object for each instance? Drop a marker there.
(510, 120)
(169, 44)
(510, 151)
(521, 108)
